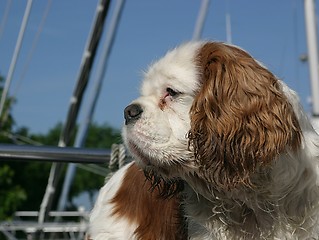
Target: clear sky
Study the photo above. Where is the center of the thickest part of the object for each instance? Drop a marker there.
(273, 31)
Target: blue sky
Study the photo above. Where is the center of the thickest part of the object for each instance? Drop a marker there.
(272, 31)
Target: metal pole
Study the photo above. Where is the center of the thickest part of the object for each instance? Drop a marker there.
(200, 20)
(311, 30)
(15, 56)
(228, 24)
(75, 103)
(10, 152)
(83, 129)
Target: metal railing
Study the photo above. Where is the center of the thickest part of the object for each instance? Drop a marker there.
(31, 227)
(26, 226)
(53, 154)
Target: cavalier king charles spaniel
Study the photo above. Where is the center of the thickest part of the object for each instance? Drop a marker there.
(222, 150)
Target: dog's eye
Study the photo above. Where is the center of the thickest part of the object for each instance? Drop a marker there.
(171, 92)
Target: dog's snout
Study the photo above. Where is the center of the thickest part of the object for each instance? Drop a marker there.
(132, 113)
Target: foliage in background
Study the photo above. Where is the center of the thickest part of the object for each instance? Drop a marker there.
(11, 194)
(33, 176)
(22, 184)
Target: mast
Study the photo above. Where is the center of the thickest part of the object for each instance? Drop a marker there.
(84, 126)
(200, 20)
(75, 103)
(311, 30)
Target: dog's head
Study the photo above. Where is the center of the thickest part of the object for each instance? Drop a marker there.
(209, 110)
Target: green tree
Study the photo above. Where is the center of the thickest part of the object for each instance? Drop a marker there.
(6, 119)
(35, 173)
(22, 184)
(12, 194)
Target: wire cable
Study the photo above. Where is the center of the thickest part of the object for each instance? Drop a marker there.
(33, 47)
(5, 17)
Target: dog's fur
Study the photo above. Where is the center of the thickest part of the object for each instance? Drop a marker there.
(213, 119)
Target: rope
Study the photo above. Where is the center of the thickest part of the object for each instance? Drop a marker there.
(118, 157)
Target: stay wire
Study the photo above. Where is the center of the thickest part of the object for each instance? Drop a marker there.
(33, 47)
(5, 17)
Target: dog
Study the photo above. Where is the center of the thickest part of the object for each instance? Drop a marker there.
(222, 149)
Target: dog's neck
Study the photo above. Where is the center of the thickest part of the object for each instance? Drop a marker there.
(268, 211)
(221, 216)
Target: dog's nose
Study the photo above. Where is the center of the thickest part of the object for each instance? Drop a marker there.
(132, 113)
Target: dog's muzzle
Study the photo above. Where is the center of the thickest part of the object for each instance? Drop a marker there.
(132, 113)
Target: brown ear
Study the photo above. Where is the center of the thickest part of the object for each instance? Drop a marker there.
(240, 119)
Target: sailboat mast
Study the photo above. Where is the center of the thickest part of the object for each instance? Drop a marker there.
(312, 43)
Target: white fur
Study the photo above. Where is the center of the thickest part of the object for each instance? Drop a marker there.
(102, 224)
(287, 208)
(163, 133)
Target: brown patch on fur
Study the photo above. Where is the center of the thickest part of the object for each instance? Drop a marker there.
(156, 217)
(240, 119)
(162, 104)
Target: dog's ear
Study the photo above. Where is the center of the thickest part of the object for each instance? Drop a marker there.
(240, 119)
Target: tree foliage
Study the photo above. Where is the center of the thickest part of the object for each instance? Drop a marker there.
(33, 176)
(22, 184)
(11, 194)
(99, 136)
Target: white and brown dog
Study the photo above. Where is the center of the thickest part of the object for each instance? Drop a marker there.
(224, 145)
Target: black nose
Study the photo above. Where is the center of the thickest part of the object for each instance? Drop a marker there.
(132, 113)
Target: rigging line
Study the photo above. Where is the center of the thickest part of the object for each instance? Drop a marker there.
(24, 139)
(33, 46)
(92, 168)
(5, 17)
(75, 103)
(84, 126)
(15, 57)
